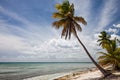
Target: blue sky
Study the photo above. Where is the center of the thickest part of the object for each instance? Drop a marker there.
(26, 32)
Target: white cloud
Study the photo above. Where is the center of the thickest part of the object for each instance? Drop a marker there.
(15, 16)
(42, 43)
(11, 43)
(22, 39)
(111, 30)
(81, 6)
(115, 36)
(106, 16)
(117, 25)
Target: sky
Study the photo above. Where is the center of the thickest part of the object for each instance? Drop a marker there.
(27, 35)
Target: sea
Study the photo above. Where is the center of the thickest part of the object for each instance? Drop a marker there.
(23, 70)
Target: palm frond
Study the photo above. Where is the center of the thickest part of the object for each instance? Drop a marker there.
(63, 31)
(104, 62)
(58, 6)
(67, 31)
(58, 15)
(78, 27)
(101, 57)
(58, 24)
(72, 9)
(103, 53)
(73, 30)
(100, 36)
(113, 44)
(99, 40)
(70, 26)
(80, 19)
(108, 48)
(117, 51)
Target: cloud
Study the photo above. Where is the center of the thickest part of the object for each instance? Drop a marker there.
(107, 12)
(14, 16)
(35, 42)
(115, 36)
(54, 49)
(22, 39)
(111, 30)
(117, 25)
(81, 6)
(30, 45)
(10, 42)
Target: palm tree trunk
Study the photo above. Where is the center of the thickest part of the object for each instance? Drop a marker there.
(105, 73)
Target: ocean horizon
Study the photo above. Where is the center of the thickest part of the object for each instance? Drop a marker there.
(22, 70)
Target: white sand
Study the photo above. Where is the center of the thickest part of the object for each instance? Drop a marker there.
(89, 75)
(84, 76)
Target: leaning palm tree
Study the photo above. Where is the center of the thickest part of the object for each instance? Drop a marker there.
(69, 22)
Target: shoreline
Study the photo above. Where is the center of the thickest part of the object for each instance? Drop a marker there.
(20, 71)
(76, 74)
(88, 74)
(58, 76)
(47, 77)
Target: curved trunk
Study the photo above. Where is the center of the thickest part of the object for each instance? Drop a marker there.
(105, 73)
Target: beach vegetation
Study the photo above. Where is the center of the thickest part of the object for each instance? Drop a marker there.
(111, 54)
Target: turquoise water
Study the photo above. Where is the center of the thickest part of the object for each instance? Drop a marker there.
(21, 70)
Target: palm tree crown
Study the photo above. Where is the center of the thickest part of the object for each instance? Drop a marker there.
(104, 39)
(67, 20)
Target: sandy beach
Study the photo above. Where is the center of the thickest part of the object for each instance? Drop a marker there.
(90, 74)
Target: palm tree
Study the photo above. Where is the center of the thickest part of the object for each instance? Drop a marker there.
(105, 42)
(112, 54)
(69, 22)
(104, 39)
